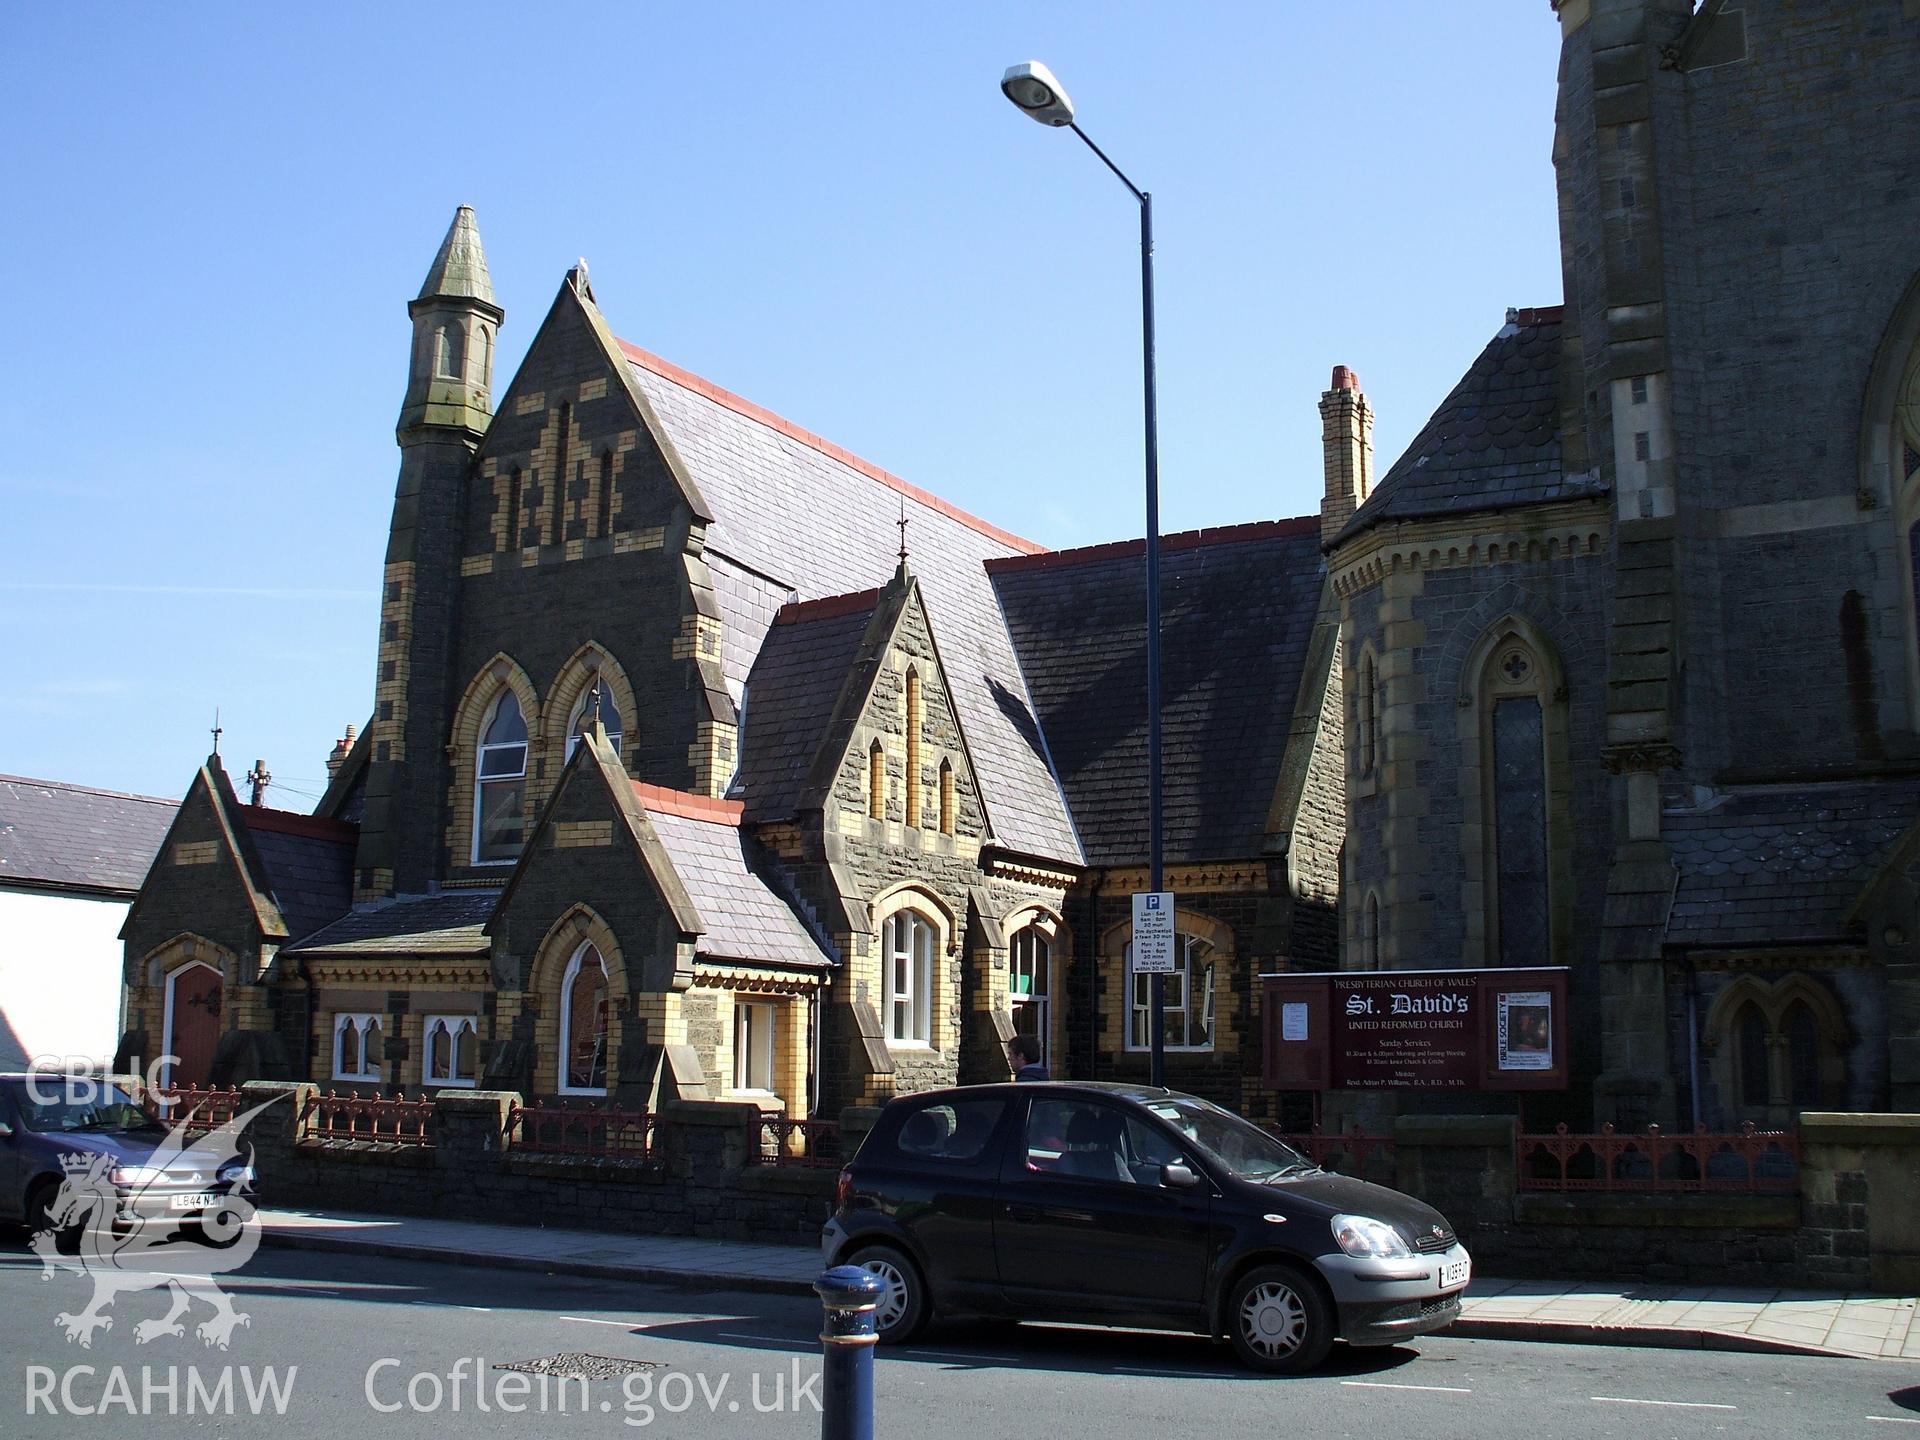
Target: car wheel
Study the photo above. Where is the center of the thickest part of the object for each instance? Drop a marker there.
(1279, 1321)
(903, 1305)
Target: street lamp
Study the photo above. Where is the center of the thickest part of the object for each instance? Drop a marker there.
(1033, 89)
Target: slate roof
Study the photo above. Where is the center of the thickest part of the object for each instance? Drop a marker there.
(1782, 865)
(801, 669)
(729, 878)
(55, 836)
(446, 924)
(797, 515)
(1237, 613)
(309, 865)
(1494, 443)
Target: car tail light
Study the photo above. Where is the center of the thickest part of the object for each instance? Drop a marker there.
(842, 1190)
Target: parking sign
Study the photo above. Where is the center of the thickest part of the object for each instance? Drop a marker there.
(1153, 933)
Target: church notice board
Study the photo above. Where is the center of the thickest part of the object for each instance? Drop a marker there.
(1416, 1029)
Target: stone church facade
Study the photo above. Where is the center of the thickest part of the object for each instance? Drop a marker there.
(709, 760)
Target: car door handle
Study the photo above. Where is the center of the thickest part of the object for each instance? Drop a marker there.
(1023, 1212)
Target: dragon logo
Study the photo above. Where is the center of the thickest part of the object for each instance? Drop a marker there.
(122, 1238)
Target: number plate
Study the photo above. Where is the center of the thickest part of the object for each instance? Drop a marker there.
(1455, 1273)
(202, 1201)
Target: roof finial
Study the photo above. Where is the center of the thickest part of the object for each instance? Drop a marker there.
(216, 732)
(902, 523)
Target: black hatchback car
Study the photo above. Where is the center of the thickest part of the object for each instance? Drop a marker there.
(1129, 1205)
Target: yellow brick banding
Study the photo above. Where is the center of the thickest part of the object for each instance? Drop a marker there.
(196, 852)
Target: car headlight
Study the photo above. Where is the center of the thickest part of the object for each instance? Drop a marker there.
(235, 1174)
(1369, 1239)
(134, 1177)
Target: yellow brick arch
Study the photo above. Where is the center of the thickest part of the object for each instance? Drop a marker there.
(578, 928)
(569, 689)
(501, 673)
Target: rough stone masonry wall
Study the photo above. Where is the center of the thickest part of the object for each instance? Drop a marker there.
(701, 1186)
(1852, 1225)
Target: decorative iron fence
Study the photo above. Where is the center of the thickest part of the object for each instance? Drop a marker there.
(1751, 1162)
(197, 1110)
(814, 1143)
(389, 1120)
(544, 1129)
(1355, 1153)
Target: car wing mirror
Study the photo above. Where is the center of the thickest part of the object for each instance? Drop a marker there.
(6, 1131)
(1179, 1175)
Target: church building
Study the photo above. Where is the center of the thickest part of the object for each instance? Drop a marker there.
(708, 759)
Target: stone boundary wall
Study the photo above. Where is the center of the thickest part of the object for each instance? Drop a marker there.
(1854, 1226)
(701, 1185)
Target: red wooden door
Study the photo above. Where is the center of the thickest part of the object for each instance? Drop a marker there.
(195, 1025)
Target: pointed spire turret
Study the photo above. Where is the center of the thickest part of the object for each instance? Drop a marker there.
(460, 269)
(455, 317)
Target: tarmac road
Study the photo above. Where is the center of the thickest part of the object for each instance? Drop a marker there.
(378, 1347)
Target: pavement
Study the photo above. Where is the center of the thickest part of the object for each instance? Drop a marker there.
(1691, 1317)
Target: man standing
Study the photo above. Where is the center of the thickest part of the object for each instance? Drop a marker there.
(1023, 1054)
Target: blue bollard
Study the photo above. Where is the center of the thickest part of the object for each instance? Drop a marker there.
(850, 1296)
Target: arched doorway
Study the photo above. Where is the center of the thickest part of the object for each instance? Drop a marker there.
(193, 1023)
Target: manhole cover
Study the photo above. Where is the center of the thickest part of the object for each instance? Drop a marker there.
(577, 1366)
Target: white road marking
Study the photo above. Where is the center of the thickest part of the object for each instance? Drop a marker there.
(1384, 1385)
(586, 1320)
(1894, 1419)
(1670, 1404)
(763, 1339)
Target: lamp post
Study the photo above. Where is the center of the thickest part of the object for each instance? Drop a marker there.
(1033, 89)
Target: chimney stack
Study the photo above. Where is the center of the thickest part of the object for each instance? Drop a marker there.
(1346, 436)
(339, 755)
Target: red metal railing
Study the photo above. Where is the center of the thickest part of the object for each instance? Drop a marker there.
(198, 1110)
(1751, 1162)
(391, 1121)
(560, 1130)
(795, 1142)
(1354, 1153)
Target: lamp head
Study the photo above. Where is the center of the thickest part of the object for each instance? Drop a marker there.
(1032, 87)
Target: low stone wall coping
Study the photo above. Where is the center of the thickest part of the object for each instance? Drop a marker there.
(710, 1112)
(1843, 1128)
(1455, 1130)
(1668, 1212)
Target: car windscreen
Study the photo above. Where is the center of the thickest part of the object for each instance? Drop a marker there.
(1238, 1146)
(53, 1104)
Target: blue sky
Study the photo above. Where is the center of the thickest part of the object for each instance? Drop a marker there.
(216, 217)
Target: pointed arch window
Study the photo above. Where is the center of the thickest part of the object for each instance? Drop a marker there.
(907, 952)
(606, 708)
(1030, 986)
(1370, 934)
(1523, 818)
(500, 784)
(946, 797)
(447, 353)
(583, 1024)
(603, 497)
(914, 718)
(485, 349)
(877, 782)
(510, 532)
(557, 502)
(451, 1044)
(356, 1046)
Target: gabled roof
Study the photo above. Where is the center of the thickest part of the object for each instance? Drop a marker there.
(798, 518)
(447, 924)
(792, 692)
(1238, 608)
(732, 881)
(1783, 865)
(307, 863)
(1494, 443)
(55, 836)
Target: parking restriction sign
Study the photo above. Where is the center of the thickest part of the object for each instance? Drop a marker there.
(1153, 933)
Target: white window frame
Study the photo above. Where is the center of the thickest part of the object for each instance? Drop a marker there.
(455, 1024)
(566, 1021)
(361, 1020)
(1177, 990)
(755, 1025)
(1039, 1003)
(481, 779)
(908, 941)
